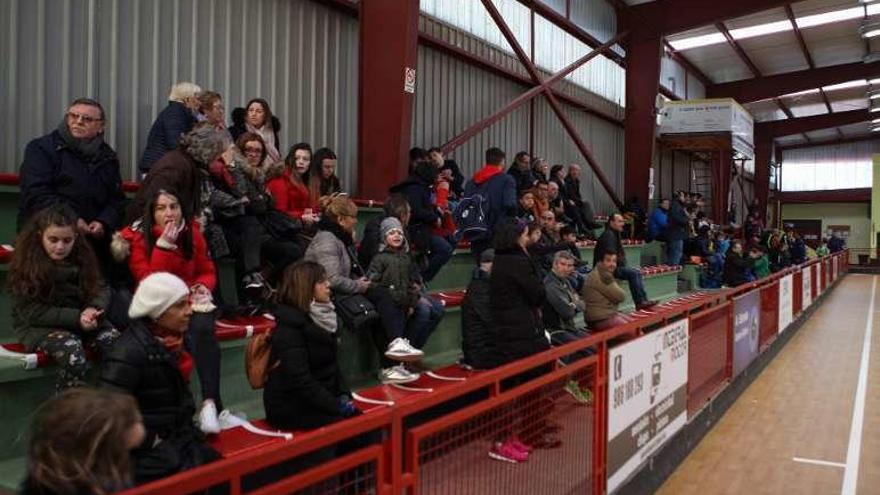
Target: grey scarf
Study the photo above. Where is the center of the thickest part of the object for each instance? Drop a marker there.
(324, 316)
(87, 149)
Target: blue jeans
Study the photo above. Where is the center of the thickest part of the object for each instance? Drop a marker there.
(424, 320)
(673, 252)
(634, 277)
(440, 252)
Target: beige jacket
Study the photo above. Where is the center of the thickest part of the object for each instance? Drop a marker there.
(601, 295)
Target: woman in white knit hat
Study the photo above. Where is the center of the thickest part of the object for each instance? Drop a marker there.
(148, 363)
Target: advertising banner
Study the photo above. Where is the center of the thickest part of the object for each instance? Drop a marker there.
(785, 307)
(647, 398)
(746, 329)
(807, 279)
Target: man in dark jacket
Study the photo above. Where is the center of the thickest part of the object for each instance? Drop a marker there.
(500, 191)
(424, 217)
(73, 165)
(676, 229)
(737, 269)
(449, 169)
(609, 242)
(177, 118)
(578, 206)
(478, 338)
(521, 171)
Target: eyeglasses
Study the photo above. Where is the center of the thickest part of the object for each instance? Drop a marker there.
(253, 149)
(88, 119)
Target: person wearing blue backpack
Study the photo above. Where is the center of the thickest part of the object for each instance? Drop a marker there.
(489, 197)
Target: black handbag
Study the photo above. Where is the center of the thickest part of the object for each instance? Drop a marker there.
(280, 226)
(356, 311)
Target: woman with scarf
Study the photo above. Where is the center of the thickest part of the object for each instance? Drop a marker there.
(257, 118)
(305, 390)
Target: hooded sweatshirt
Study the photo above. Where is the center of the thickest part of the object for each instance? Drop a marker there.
(499, 187)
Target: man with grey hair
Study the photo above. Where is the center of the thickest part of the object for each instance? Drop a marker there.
(562, 303)
(176, 119)
(73, 165)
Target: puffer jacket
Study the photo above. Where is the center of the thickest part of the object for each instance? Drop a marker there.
(479, 340)
(34, 319)
(302, 392)
(396, 271)
(172, 121)
(601, 295)
(53, 173)
(140, 365)
(332, 248)
(516, 294)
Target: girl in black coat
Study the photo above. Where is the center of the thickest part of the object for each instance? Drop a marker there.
(305, 388)
(516, 293)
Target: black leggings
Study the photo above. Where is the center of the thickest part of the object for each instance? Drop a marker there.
(202, 344)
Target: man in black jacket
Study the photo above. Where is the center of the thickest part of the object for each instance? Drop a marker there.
(676, 229)
(424, 217)
(736, 267)
(478, 338)
(578, 206)
(73, 165)
(609, 242)
(522, 172)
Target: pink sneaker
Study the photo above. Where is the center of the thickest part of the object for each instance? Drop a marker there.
(507, 453)
(515, 443)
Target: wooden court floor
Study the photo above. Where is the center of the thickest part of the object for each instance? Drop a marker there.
(801, 407)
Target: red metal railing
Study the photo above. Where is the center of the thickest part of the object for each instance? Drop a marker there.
(436, 441)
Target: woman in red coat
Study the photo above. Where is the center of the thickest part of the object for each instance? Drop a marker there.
(285, 184)
(166, 239)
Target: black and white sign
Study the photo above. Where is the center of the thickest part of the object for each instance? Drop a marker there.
(786, 284)
(647, 398)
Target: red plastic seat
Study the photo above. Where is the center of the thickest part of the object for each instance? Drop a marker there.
(242, 327)
(238, 441)
(450, 298)
(6, 252)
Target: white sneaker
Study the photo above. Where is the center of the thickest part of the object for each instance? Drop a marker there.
(229, 421)
(401, 350)
(208, 421)
(397, 374)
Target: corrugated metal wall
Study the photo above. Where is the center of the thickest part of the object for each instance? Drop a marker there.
(299, 55)
(451, 95)
(678, 81)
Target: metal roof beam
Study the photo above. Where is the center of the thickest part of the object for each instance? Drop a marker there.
(673, 16)
(689, 67)
(750, 90)
(799, 36)
(738, 49)
(800, 125)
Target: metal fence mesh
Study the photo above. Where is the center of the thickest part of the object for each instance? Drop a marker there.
(455, 460)
(707, 356)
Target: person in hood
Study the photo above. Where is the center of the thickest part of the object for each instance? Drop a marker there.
(499, 189)
(177, 118)
(392, 268)
(257, 118)
(424, 217)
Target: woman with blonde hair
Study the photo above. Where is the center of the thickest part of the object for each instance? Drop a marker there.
(333, 248)
(177, 118)
(80, 444)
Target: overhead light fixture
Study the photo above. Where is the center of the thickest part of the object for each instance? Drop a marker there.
(870, 29)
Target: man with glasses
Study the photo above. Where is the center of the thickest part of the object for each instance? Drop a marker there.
(74, 166)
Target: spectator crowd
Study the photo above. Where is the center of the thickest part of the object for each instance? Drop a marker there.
(137, 280)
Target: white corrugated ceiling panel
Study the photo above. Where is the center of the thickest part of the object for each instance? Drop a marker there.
(719, 62)
(849, 104)
(790, 140)
(775, 53)
(854, 130)
(836, 43)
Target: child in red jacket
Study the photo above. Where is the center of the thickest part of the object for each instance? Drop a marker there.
(165, 239)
